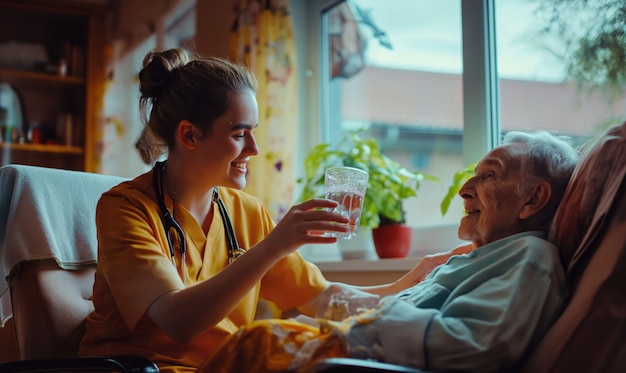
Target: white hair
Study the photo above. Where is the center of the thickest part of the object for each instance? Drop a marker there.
(550, 158)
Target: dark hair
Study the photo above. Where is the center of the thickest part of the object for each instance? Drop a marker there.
(176, 87)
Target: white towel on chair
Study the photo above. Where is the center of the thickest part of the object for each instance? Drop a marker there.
(47, 213)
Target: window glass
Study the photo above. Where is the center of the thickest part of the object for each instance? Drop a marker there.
(395, 68)
(396, 71)
(535, 90)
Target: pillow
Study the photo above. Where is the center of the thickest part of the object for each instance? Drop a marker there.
(589, 230)
(589, 195)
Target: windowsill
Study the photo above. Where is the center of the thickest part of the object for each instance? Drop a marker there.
(362, 265)
(425, 241)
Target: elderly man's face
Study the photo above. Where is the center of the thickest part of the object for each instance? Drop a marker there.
(493, 197)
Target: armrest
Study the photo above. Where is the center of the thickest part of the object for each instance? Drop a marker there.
(349, 365)
(122, 364)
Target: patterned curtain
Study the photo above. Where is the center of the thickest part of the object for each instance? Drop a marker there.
(262, 38)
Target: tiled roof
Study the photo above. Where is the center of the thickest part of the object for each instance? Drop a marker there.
(433, 100)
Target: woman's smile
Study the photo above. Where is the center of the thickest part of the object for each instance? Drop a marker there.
(240, 165)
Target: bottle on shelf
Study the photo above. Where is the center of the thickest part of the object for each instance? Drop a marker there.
(34, 133)
(65, 130)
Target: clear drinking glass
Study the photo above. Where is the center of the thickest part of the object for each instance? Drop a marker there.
(347, 186)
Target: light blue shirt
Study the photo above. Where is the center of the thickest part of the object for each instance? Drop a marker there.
(477, 312)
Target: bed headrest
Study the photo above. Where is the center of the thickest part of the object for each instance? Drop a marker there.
(590, 194)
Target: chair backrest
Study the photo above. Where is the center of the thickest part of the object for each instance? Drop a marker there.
(48, 253)
(50, 306)
(590, 231)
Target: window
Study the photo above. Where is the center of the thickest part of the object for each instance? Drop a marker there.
(535, 92)
(440, 97)
(394, 69)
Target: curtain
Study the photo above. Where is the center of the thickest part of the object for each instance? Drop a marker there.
(262, 38)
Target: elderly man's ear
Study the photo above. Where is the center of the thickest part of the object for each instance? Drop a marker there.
(537, 198)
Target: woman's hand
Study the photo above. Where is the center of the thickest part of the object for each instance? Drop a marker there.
(306, 223)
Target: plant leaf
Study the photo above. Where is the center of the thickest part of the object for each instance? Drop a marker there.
(459, 178)
(388, 185)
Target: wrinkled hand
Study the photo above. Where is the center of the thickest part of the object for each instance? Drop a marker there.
(306, 223)
(427, 265)
(339, 301)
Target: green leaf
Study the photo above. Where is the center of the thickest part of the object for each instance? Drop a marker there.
(459, 178)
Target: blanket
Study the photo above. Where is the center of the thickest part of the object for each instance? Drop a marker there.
(279, 346)
(47, 213)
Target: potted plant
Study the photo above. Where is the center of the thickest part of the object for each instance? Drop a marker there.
(389, 185)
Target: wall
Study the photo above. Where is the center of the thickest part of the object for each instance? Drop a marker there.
(136, 30)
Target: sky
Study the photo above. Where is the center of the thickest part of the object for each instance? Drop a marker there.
(426, 35)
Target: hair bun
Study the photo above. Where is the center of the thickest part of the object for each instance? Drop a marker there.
(157, 69)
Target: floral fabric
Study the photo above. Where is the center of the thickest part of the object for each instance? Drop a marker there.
(262, 38)
(268, 346)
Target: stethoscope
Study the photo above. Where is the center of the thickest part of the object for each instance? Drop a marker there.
(169, 223)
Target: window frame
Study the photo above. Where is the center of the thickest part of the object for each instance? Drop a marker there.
(481, 128)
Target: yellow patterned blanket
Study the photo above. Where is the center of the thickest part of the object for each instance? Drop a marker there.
(277, 345)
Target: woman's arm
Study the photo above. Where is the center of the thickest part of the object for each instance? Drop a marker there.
(183, 314)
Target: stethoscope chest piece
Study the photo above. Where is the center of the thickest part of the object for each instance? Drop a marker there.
(234, 254)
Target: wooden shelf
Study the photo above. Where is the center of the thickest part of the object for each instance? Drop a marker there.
(52, 33)
(60, 149)
(33, 76)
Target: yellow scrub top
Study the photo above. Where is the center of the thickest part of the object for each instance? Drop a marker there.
(135, 268)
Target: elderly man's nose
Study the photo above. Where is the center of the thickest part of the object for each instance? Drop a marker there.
(467, 190)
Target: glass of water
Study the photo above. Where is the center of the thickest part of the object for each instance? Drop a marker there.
(347, 186)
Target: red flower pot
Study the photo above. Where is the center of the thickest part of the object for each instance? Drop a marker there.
(392, 240)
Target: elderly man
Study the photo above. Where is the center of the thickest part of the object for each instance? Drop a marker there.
(479, 311)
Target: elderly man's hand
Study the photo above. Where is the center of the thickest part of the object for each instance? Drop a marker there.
(339, 301)
(426, 266)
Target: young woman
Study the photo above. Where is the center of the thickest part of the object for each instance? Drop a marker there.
(168, 286)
